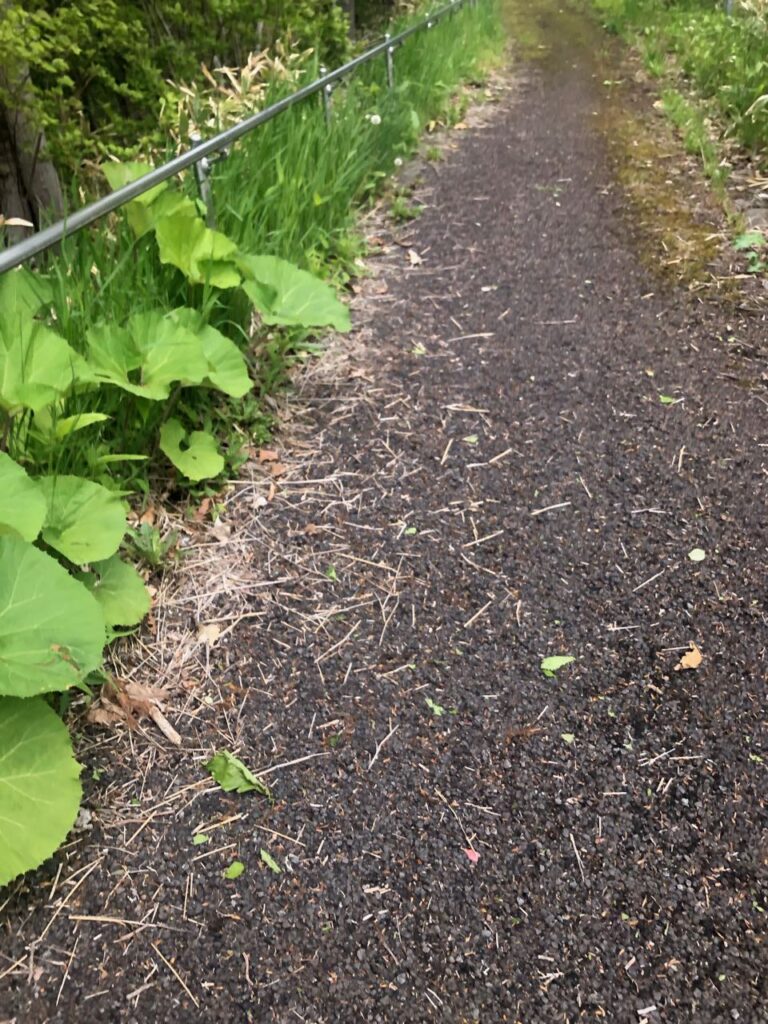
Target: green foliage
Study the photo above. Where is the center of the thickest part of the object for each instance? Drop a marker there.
(98, 68)
(195, 455)
(51, 628)
(549, 666)
(39, 785)
(137, 342)
(120, 591)
(722, 57)
(233, 776)
(22, 505)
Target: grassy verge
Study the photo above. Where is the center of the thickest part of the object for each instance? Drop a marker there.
(720, 57)
(134, 360)
(292, 189)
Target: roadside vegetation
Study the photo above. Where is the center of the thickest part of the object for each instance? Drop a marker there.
(712, 63)
(135, 358)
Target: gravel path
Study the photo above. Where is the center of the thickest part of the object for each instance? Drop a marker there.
(499, 481)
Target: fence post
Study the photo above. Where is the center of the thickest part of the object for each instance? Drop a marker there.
(390, 62)
(327, 97)
(202, 170)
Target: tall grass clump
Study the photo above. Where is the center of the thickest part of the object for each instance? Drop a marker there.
(722, 56)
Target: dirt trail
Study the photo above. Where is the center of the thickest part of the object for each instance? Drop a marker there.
(477, 842)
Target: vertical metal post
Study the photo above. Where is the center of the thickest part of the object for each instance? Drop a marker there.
(202, 175)
(390, 62)
(327, 97)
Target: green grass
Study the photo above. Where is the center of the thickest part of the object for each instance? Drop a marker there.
(292, 188)
(694, 129)
(723, 59)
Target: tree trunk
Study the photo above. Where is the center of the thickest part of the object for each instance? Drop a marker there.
(29, 184)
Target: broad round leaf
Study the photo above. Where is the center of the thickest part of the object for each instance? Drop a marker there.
(201, 254)
(227, 369)
(120, 591)
(300, 298)
(85, 522)
(22, 505)
(147, 356)
(36, 365)
(23, 292)
(40, 788)
(51, 628)
(199, 459)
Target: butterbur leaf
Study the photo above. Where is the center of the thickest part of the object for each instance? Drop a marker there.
(235, 869)
(51, 628)
(36, 365)
(23, 293)
(22, 505)
(233, 776)
(300, 298)
(199, 459)
(40, 788)
(147, 356)
(270, 861)
(555, 662)
(227, 369)
(120, 591)
(85, 522)
(201, 254)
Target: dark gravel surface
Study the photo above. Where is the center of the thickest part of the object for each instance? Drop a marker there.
(618, 808)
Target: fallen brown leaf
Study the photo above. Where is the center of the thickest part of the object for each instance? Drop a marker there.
(692, 659)
(268, 455)
(278, 469)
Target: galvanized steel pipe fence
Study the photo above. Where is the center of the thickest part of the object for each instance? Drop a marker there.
(197, 157)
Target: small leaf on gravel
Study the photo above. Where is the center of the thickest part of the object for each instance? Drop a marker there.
(470, 439)
(690, 660)
(200, 839)
(235, 869)
(667, 399)
(749, 240)
(233, 776)
(436, 709)
(271, 863)
(556, 661)
(414, 259)
(697, 555)
(330, 572)
(567, 737)
(472, 855)
(410, 531)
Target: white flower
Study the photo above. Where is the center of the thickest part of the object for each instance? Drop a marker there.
(375, 119)
(398, 161)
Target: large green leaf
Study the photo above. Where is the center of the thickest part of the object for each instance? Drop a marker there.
(227, 368)
(22, 505)
(148, 356)
(23, 293)
(199, 458)
(40, 788)
(300, 298)
(51, 628)
(85, 522)
(36, 365)
(120, 591)
(201, 254)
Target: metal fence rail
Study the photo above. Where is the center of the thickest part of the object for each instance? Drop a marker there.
(17, 254)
